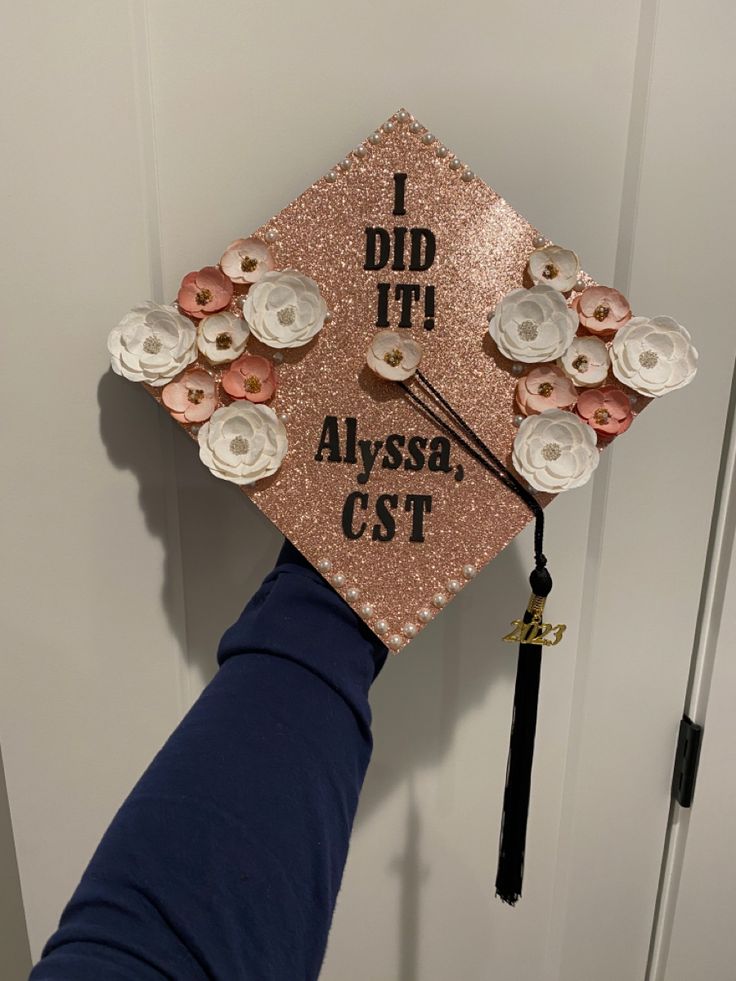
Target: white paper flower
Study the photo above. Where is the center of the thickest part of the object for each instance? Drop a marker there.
(533, 325)
(246, 260)
(653, 356)
(554, 266)
(393, 355)
(243, 442)
(555, 451)
(586, 361)
(222, 337)
(152, 343)
(285, 309)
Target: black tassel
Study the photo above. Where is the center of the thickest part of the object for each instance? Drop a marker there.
(512, 844)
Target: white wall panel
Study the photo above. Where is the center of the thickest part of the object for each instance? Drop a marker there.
(91, 653)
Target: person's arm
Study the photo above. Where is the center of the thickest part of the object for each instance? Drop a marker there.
(226, 859)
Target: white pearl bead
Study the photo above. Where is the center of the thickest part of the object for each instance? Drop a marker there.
(518, 419)
(374, 138)
(467, 175)
(278, 357)
(442, 151)
(538, 241)
(352, 594)
(516, 368)
(284, 416)
(455, 163)
(271, 235)
(470, 571)
(331, 177)
(395, 641)
(579, 285)
(439, 600)
(454, 585)
(424, 615)
(367, 609)
(345, 164)
(324, 565)
(402, 115)
(416, 126)
(360, 151)
(428, 138)
(338, 580)
(387, 126)
(633, 399)
(380, 627)
(328, 317)
(410, 630)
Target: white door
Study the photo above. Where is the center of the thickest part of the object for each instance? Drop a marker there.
(144, 134)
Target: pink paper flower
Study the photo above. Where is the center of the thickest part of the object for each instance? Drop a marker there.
(602, 310)
(246, 259)
(192, 397)
(545, 387)
(607, 410)
(251, 377)
(204, 292)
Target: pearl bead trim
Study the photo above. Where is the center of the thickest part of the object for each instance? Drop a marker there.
(415, 127)
(396, 640)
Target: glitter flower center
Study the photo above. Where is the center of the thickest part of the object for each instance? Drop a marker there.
(248, 263)
(601, 312)
(528, 330)
(551, 451)
(394, 357)
(252, 384)
(152, 344)
(581, 364)
(550, 271)
(224, 340)
(545, 389)
(239, 445)
(601, 416)
(203, 297)
(648, 359)
(195, 395)
(286, 316)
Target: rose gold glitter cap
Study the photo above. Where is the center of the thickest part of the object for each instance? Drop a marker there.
(397, 517)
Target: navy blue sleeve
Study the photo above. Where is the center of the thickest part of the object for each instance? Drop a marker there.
(226, 859)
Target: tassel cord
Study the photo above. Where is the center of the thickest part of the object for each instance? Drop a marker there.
(483, 455)
(517, 791)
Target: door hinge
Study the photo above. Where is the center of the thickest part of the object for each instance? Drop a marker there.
(687, 757)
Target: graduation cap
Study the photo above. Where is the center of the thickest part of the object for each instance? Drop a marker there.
(401, 372)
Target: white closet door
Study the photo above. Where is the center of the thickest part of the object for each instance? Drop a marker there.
(698, 938)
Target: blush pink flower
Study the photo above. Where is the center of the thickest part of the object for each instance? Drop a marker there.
(251, 377)
(192, 397)
(246, 259)
(203, 292)
(606, 409)
(602, 310)
(545, 387)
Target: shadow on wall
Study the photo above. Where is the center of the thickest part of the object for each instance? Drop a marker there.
(228, 546)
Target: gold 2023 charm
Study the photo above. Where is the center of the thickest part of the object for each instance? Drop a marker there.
(533, 630)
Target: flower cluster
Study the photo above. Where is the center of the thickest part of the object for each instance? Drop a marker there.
(590, 355)
(196, 353)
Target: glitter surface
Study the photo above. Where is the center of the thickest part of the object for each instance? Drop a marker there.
(482, 248)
